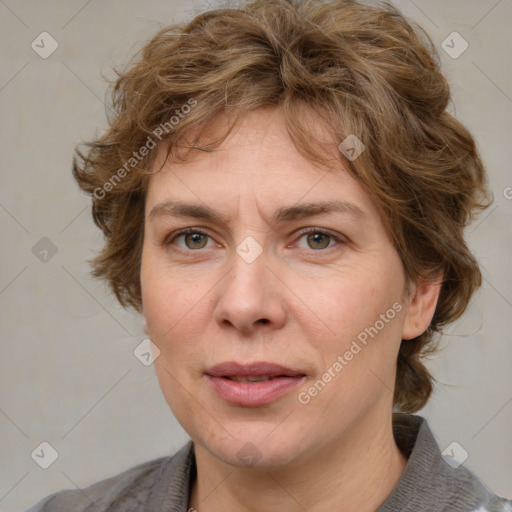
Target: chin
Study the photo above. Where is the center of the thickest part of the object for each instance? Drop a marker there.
(255, 445)
(247, 454)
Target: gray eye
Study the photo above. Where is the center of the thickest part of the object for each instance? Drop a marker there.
(318, 240)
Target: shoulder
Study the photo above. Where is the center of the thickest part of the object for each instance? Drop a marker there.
(133, 489)
(467, 490)
(433, 479)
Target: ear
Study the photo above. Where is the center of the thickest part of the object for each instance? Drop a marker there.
(421, 307)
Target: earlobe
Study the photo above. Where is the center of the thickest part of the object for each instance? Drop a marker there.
(421, 307)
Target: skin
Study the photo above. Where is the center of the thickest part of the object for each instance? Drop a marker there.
(204, 304)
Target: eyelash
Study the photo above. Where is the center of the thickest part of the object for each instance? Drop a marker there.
(305, 231)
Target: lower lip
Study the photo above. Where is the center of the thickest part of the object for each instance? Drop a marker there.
(253, 394)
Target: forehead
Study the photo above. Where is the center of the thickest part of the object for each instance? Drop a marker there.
(257, 164)
(258, 133)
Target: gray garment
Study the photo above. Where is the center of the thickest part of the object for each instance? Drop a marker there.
(428, 483)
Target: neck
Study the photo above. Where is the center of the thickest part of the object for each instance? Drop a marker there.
(357, 473)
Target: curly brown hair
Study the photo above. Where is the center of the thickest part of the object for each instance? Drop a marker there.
(363, 70)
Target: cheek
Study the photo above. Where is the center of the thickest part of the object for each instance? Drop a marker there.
(359, 314)
(347, 304)
(166, 298)
(176, 315)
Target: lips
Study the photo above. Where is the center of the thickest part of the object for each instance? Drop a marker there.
(253, 378)
(253, 384)
(258, 369)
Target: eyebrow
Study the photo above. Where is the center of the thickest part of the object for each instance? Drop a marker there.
(284, 214)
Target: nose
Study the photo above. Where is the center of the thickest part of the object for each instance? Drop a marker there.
(251, 297)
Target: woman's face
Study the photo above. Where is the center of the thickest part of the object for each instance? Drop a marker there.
(250, 287)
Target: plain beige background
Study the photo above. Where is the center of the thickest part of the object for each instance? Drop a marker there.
(68, 373)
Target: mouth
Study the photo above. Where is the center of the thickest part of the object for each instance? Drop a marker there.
(254, 384)
(253, 378)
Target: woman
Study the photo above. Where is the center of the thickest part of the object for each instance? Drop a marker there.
(283, 197)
